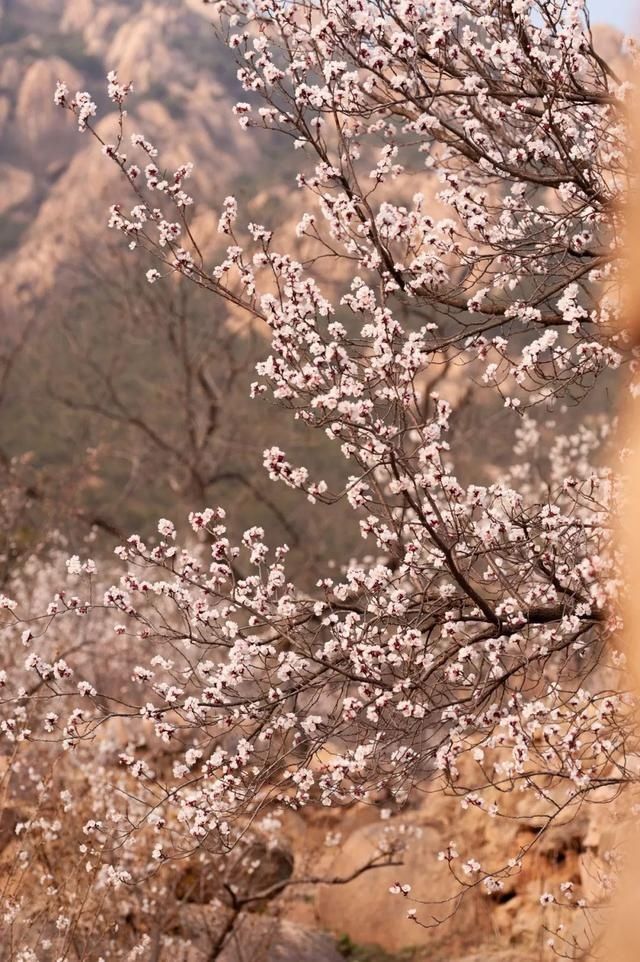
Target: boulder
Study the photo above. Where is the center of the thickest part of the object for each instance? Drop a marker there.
(253, 938)
(259, 866)
(264, 939)
(364, 909)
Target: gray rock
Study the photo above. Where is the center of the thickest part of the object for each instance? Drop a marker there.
(262, 939)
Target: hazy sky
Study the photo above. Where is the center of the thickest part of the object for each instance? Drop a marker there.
(620, 13)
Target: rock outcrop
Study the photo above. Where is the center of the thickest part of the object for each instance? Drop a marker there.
(36, 118)
(59, 180)
(17, 187)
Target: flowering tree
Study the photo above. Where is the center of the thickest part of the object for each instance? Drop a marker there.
(177, 408)
(468, 647)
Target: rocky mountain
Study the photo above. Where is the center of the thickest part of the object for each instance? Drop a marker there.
(55, 182)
